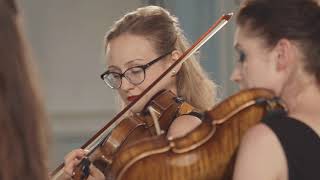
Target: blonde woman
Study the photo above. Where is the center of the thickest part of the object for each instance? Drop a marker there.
(139, 47)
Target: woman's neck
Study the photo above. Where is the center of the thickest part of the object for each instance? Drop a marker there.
(303, 101)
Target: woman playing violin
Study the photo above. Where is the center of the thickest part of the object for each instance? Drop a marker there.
(279, 48)
(139, 47)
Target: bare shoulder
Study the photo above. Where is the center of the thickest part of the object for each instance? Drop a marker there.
(182, 125)
(260, 155)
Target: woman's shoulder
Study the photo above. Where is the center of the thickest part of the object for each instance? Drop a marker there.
(260, 131)
(182, 125)
(260, 155)
(259, 139)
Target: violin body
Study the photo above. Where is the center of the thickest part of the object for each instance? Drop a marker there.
(134, 128)
(208, 152)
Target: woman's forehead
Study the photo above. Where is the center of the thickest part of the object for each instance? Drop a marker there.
(244, 37)
(130, 41)
(239, 38)
(128, 49)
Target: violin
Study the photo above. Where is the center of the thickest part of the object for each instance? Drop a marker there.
(166, 106)
(123, 131)
(207, 152)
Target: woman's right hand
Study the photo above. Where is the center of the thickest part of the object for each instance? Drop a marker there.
(72, 159)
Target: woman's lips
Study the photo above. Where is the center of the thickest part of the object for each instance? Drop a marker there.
(132, 98)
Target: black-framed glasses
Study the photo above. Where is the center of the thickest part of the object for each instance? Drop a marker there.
(135, 75)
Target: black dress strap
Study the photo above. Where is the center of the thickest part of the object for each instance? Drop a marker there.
(300, 143)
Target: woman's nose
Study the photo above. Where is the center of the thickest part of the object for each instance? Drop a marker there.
(236, 75)
(126, 85)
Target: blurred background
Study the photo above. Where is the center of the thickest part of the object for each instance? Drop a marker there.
(66, 38)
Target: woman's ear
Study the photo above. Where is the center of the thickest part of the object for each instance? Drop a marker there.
(175, 55)
(283, 50)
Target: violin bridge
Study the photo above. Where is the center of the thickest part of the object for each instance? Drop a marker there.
(154, 114)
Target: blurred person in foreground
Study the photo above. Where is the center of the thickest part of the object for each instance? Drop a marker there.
(23, 153)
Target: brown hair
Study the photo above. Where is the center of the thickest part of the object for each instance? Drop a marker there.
(296, 20)
(163, 30)
(22, 140)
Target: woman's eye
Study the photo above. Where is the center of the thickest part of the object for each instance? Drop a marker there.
(136, 70)
(241, 57)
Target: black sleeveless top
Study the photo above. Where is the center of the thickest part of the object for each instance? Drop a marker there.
(300, 144)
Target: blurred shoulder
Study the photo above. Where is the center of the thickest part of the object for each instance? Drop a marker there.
(182, 125)
(260, 155)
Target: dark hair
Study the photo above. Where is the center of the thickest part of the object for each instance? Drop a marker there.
(22, 119)
(297, 20)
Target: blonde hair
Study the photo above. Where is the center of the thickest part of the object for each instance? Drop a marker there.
(163, 30)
